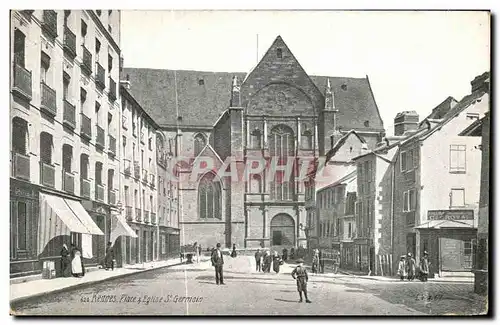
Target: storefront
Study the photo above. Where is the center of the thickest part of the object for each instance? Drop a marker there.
(121, 233)
(364, 251)
(347, 256)
(101, 215)
(449, 238)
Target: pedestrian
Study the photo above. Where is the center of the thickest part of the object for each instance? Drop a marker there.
(285, 254)
(315, 261)
(402, 268)
(77, 269)
(200, 251)
(109, 257)
(258, 256)
(218, 262)
(65, 261)
(233, 253)
(321, 261)
(424, 267)
(276, 262)
(292, 253)
(267, 262)
(300, 274)
(196, 252)
(410, 267)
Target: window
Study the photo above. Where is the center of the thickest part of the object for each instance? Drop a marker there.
(409, 159)
(110, 63)
(199, 144)
(350, 203)
(22, 238)
(67, 13)
(98, 173)
(142, 158)
(457, 158)
(111, 178)
(255, 139)
(150, 143)
(44, 67)
(19, 47)
(46, 148)
(67, 157)
(97, 115)
(457, 197)
(337, 227)
(127, 199)
(209, 197)
(409, 201)
(472, 116)
(110, 121)
(307, 140)
(83, 99)
(201, 82)
(279, 53)
(255, 184)
(83, 29)
(151, 205)
(349, 230)
(97, 49)
(281, 146)
(98, 12)
(19, 135)
(367, 123)
(84, 166)
(66, 82)
(136, 199)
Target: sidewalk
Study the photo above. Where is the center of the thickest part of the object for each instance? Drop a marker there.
(26, 290)
(397, 279)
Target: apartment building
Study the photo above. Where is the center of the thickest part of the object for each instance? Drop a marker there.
(139, 180)
(64, 123)
(437, 175)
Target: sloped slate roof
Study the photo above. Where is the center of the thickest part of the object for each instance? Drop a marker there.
(201, 105)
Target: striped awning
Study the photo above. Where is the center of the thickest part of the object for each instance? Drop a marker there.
(120, 227)
(60, 216)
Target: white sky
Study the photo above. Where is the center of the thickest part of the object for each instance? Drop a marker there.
(414, 59)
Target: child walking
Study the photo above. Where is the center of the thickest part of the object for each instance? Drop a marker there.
(300, 274)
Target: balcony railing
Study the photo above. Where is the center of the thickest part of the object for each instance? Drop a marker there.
(128, 213)
(144, 175)
(112, 145)
(146, 216)
(86, 62)
(99, 192)
(48, 100)
(69, 115)
(47, 174)
(68, 182)
(49, 23)
(138, 214)
(152, 180)
(99, 140)
(137, 170)
(100, 77)
(124, 122)
(85, 188)
(112, 89)
(153, 218)
(20, 166)
(112, 197)
(69, 42)
(86, 127)
(22, 82)
(127, 166)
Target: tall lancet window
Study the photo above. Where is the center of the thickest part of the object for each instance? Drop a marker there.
(282, 146)
(199, 143)
(209, 197)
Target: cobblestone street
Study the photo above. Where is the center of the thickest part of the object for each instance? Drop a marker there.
(191, 290)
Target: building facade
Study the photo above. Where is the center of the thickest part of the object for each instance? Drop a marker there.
(437, 182)
(139, 185)
(276, 110)
(64, 124)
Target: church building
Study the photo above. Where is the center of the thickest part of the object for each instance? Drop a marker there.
(275, 110)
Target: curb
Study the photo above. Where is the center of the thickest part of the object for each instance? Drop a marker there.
(82, 285)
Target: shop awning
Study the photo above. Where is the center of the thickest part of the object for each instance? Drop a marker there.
(84, 217)
(57, 218)
(439, 224)
(120, 227)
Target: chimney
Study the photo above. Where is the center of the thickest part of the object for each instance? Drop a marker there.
(404, 122)
(235, 93)
(481, 83)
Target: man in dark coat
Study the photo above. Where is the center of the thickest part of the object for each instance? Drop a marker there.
(65, 261)
(218, 262)
(258, 256)
(109, 257)
(410, 267)
(300, 274)
(424, 267)
(285, 254)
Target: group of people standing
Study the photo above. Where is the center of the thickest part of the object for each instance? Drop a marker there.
(407, 267)
(264, 261)
(72, 261)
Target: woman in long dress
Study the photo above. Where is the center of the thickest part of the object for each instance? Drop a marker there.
(233, 253)
(77, 263)
(276, 262)
(109, 257)
(65, 262)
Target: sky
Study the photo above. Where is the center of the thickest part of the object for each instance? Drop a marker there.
(414, 60)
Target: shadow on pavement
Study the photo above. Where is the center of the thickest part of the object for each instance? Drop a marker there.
(284, 300)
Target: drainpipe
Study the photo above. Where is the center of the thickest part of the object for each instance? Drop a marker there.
(393, 182)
